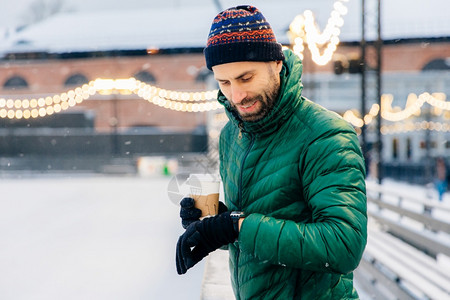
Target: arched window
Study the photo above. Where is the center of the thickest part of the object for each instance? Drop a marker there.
(440, 64)
(15, 82)
(76, 79)
(203, 75)
(207, 76)
(145, 76)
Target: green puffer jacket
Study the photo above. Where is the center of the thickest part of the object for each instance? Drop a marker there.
(298, 174)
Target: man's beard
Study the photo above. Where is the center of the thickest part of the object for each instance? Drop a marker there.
(266, 99)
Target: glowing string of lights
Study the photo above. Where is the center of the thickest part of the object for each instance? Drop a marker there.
(413, 107)
(199, 102)
(415, 126)
(44, 106)
(304, 28)
(179, 101)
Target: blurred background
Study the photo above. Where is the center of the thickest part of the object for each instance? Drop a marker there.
(106, 106)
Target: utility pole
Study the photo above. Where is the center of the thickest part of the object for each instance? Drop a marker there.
(378, 48)
(363, 81)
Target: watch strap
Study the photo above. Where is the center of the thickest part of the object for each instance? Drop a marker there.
(235, 216)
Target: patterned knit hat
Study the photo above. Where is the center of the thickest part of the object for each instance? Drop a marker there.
(241, 33)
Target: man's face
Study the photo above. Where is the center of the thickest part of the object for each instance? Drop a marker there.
(251, 87)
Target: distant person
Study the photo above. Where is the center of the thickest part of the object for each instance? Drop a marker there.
(295, 218)
(441, 177)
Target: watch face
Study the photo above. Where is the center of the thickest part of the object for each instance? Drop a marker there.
(236, 214)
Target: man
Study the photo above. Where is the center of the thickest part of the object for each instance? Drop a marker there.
(295, 216)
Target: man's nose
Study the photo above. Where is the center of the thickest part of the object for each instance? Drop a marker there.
(237, 95)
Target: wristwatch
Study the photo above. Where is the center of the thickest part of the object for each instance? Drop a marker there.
(235, 216)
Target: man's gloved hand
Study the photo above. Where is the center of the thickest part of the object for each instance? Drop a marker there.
(189, 213)
(203, 237)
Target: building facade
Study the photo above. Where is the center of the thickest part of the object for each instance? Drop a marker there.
(409, 66)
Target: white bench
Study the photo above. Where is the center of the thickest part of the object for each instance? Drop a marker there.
(400, 260)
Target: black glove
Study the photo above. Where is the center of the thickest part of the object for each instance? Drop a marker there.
(203, 237)
(190, 214)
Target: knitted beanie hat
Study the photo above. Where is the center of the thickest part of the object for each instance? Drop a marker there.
(241, 33)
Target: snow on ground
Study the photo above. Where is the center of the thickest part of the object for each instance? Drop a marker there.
(414, 190)
(94, 237)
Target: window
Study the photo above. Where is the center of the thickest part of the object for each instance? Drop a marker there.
(395, 148)
(145, 76)
(437, 64)
(76, 79)
(15, 82)
(203, 75)
(431, 144)
(408, 148)
(207, 76)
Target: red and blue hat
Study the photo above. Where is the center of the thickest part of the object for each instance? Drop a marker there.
(241, 33)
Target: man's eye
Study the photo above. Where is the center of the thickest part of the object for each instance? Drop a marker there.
(224, 82)
(247, 78)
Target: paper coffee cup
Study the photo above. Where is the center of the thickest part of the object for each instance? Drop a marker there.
(204, 189)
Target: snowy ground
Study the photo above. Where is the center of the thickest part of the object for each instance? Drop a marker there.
(413, 190)
(98, 237)
(90, 237)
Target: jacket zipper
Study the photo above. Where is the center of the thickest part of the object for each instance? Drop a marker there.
(252, 141)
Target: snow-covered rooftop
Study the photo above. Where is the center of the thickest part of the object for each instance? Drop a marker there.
(188, 25)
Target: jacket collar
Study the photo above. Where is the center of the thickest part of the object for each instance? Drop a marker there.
(288, 100)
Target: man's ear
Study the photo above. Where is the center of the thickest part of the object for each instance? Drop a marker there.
(279, 65)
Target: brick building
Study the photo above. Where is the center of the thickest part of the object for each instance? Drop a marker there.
(43, 77)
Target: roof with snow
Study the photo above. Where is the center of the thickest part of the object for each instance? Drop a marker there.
(187, 26)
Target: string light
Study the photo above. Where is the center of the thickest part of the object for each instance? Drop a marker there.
(174, 100)
(415, 126)
(413, 106)
(351, 117)
(193, 102)
(304, 28)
